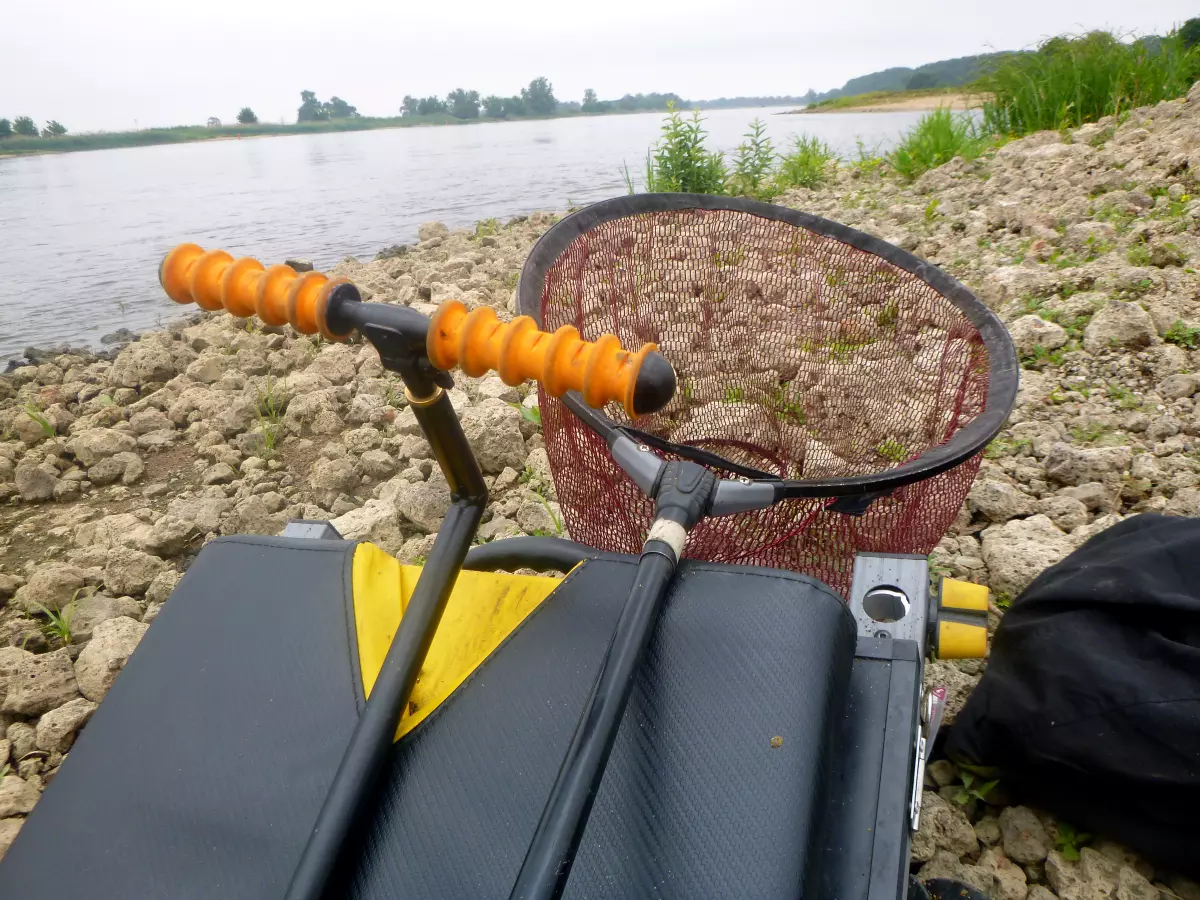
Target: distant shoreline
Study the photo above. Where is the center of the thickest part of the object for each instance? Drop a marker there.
(896, 101)
(186, 134)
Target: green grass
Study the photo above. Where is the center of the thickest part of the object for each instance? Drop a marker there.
(1073, 80)
(936, 139)
(270, 415)
(1041, 356)
(867, 160)
(809, 164)
(874, 98)
(1121, 395)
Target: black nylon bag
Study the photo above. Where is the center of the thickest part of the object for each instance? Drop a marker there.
(1090, 705)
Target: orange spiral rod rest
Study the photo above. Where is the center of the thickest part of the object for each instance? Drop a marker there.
(278, 295)
(477, 342)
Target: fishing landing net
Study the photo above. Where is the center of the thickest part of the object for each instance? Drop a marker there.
(804, 352)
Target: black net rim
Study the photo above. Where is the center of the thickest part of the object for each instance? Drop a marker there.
(1003, 369)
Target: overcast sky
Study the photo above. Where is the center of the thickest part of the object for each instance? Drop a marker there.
(102, 64)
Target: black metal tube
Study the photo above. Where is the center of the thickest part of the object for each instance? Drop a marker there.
(548, 861)
(366, 753)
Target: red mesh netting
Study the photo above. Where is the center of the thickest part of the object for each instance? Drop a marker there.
(796, 354)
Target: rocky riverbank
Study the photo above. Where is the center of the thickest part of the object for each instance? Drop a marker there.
(114, 472)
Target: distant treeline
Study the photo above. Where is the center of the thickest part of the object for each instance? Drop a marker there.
(973, 71)
(538, 99)
(958, 72)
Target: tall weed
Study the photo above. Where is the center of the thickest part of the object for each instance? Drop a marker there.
(679, 161)
(936, 139)
(1073, 80)
(754, 166)
(808, 165)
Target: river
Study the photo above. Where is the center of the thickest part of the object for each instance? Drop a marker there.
(81, 234)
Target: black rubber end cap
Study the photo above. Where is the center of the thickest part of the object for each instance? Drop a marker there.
(338, 318)
(655, 385)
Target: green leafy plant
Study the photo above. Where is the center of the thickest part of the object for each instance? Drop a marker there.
(1041, 356)
(1122, 395)
(58, 624)
(889, 315)
(809, 163)
(679, 161)
(893, 450)
(528, 413)
(867, 161)
(1182, 334)
(1069, 840)
(1138, 255)
(931, 213)
(971, 790)
(787, 408)
(734, 394)
(37, 416)
(724, 259)
(937, 138)
(485, 228)
(1001, 447)
(753, 165)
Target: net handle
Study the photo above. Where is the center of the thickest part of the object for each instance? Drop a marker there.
(1003, 370)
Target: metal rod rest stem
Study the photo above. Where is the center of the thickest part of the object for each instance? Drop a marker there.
(366, 753)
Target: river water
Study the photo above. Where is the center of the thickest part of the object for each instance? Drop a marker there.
(81, 234)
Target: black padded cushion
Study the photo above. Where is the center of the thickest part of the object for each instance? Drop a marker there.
(695, 802)
(201, 773)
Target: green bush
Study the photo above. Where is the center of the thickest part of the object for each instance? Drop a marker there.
(1073, 80)
(679, 161)
(936, 139)
(808, 165)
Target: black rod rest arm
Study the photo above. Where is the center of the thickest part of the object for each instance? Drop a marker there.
(397, 333)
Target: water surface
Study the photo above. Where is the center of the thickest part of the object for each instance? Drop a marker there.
(81, 234)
